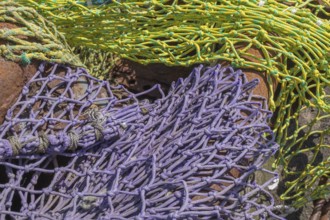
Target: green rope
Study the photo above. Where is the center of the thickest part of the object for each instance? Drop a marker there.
(99, 63)
(320, 8)
(26, 35)
(294, 44)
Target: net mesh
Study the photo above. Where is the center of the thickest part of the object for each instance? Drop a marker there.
(99, 63)
(294, 47)
(320, 8)
(25, 35)
(73, 149)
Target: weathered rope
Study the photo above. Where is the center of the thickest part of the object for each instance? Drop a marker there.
(320, 8)
(294, 44)
(98, 62)
(192, 153)
(25, 35)
(175, 34)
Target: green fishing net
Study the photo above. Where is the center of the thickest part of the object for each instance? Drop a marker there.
(294, 47)
(320, 8)
(98, 62)
(26, 35)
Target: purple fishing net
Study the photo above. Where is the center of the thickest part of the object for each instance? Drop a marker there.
(73, 147)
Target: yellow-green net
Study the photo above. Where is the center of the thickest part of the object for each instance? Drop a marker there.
(320, 8)
(98, 62)
(294, 45)
(26, 35)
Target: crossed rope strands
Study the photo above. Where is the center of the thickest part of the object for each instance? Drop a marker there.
(26, 35)
(191, 153)
(63, 113)
(99, 63)
(320, 8)
(292, 42)
(137, 36)
(68, 8)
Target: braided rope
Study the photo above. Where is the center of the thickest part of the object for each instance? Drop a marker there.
(320, 8)
(31, 37)
(135, 35)
(295, 50)
(99, 63)
(192, 153)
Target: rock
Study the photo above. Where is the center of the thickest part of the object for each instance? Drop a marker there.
(12, 79)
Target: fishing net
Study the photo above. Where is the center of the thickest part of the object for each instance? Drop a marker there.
(72, 149)
(26, 35)
(98, 62)
(320, 8)
(294, 47)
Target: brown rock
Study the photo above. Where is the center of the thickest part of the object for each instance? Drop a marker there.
(13, 76)
(12, 79)
(263, 87)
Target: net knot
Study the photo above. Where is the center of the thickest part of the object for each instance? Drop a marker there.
(188, 153)
(242, 199)
(43, 143)
(74, 140)
(208, 180)
(237, 182)
(46, 191)
(212, 194)
(16, 145)
(5, 148)
(174, 215)
(110, 193)
(25, 90)
(146, 188)
(25, 60)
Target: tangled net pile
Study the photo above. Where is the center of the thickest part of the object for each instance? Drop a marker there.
(191, 154)
(26, 35)
(294, 45)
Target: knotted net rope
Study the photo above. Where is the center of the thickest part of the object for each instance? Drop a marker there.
(98, 62)
(320, 8)
(294, 48)
(26, 35)
(192, 153)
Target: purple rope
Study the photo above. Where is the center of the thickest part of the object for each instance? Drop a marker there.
(73, 149)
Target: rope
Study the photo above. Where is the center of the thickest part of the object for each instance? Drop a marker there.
(29, 36)
(98, 62)
(192, 155)
(320, 8)
(293, 40)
